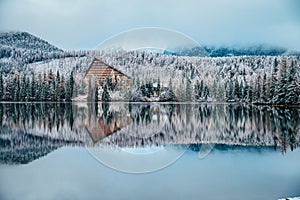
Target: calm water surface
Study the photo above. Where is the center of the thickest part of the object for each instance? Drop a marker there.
(148, 151)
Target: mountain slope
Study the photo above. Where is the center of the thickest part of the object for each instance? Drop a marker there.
(24, 40)
(17, 49)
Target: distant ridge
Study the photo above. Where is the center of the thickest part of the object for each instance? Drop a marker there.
(25, 40)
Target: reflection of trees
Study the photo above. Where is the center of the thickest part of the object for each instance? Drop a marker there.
(217, 123)
(156, 124)
(33, 115)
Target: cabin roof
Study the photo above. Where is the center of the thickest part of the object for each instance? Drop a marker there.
(96, 59)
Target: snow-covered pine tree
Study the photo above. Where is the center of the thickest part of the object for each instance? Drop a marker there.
(23, 89)
(57, 87)
(196, 90)
(38, 88)
(105, 94)
(293, 86)
(250, 92)
(96, 95)
(257, 90)
(1, 87)
(32, 88)
(237, 92)
(283, 80)
(62, 88)
(51, 83)
(70, 87)
(264, 90)
(274, 81)
(16, 88)
(158, 87)
(188, 90)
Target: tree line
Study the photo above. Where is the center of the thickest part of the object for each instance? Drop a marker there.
(42, 87)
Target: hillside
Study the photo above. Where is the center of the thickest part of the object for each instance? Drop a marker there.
(24, 40)
(20, 48)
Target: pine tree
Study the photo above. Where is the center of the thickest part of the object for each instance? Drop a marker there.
(105, 94)
(245, 90)
(201, 89)
(32, 89)
(96, 92)
(257, 90)
(51, 83)
(1, 87)
(264, 92)
(38, 96)
(237, 92)
(188, 90)
(9, 89)
(62, 88)
(90, 90)
(158, 87)
(57, 87)
(230, 91)
(250, 92)
(70, 87)
(23, 89)
(274, 81)
(197, 89)
(16, 88)
(206, 92)
(282, 86)
(27, 85)
(293, 86)
(45, 95)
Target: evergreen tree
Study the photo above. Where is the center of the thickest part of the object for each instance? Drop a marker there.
(257, 90)
(250, 92)
(38, 96)
(230, 91)
(197, 89)
(245, 90)
(16, 88)
(1, 87)
(201, 89)
(158, 87)
(293, 86)
(45, 95)
(23, 89)
(206, 92)
(188, 90)
(214, 89)
(57, 87)
(96, 92)
(282, 86)
(90, 90)
(62, 88)
(51, 83)
(27, 85)
(70, 87)
(237, 92)
(105, 93)
(264, 92)
(171, 96)
(32, 88)
(274, 81)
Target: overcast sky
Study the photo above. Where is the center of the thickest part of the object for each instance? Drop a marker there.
(83, 24)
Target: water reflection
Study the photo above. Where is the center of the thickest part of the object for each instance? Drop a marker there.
(38, 128)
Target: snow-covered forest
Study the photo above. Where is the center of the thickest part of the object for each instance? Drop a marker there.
(38, 71)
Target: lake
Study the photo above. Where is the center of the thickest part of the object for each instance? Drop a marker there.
(148, 151)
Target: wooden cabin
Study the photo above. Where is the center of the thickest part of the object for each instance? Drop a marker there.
(99, 71)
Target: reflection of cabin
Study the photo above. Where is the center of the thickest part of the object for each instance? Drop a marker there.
(100, 71)
(101, 127)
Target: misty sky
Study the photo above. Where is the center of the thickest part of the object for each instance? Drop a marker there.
(83, 24)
